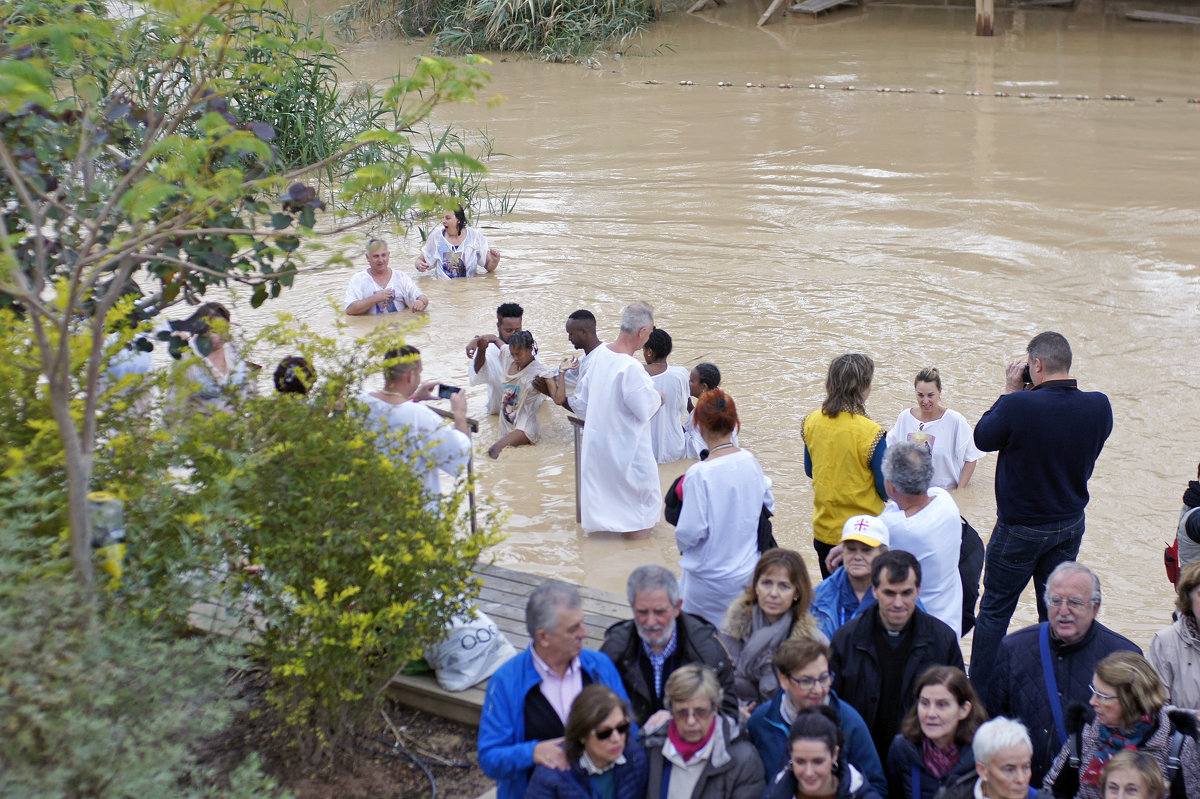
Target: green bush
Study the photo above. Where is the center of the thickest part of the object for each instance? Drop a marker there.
(359, 570)
(98, 704)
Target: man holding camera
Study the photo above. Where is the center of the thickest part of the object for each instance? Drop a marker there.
(1048, 434)
(412, 432)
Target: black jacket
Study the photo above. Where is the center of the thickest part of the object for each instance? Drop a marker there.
(857, 671)
(904, 755)
(1018, 688)
(697, 643)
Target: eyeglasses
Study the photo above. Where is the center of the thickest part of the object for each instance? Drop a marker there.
(621, 729)
(699, 714)
(1100, 695)
(1073, 604)
(807, 683)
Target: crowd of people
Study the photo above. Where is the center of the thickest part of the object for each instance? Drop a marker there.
(740, 678)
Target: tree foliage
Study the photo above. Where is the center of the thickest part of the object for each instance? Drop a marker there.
(132, 153)
(97, 706)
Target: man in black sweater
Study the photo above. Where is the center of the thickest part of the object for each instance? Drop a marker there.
(1048, 437)
(879, 655)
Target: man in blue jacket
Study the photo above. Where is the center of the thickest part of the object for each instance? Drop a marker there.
(1048, 438)
(528, 698)
(1042, 669)
(802, 665)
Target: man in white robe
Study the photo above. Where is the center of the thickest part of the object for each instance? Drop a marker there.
(619, 485)
(484, 352)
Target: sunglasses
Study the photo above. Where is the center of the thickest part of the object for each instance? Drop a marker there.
(606, 733)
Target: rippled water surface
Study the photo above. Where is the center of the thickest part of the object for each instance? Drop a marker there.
(774, 229)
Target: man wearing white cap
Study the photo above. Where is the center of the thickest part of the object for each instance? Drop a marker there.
(847, 592)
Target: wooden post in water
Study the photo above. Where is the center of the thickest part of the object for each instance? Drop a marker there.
(983, 17)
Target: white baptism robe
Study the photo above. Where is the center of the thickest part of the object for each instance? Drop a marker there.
(666, 426)
(618, 480)
(491, 375)
(717, 533)
(429, 442)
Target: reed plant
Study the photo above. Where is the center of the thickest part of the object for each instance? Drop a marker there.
(553, 30)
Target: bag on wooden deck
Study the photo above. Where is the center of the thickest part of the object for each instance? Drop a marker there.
(474, 647)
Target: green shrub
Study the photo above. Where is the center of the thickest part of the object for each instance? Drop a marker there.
(97, 704)
(360, 571)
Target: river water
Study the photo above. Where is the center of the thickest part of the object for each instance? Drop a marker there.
(774, 229)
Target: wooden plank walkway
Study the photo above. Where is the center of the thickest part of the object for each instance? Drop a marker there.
(1160, 16)
(502, 596)
(815, 7)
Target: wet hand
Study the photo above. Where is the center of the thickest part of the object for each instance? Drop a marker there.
(420, 304)
(568, 364)
(422, 264)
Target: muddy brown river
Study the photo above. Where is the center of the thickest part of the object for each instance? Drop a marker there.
(773, 229)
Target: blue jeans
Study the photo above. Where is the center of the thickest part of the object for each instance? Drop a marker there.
(1015, 553)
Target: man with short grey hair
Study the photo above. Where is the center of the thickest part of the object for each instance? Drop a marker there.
(659, 639)
(925, 522)
(528, 698)
(618, 475)
(1040, 670)
(1048, 434)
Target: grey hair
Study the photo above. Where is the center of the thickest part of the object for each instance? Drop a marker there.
(649, 578)
(999, 734)
(1052, 349)
(908, 466)
(1066, 569)
(545, 603)
(637, 316)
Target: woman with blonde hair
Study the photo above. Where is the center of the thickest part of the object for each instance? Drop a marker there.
(1175, 650)
(1130, 703)
(700, 754)
(774, 608)
(1132, 775)
(843, 453)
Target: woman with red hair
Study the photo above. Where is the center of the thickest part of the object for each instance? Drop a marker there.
(723, 498)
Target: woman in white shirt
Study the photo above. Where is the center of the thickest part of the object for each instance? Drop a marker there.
(455, 250)
(945, 432)
(723, 498)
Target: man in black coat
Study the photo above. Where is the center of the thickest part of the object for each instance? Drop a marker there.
(1074, 643)
(878, 656)
(659, 639)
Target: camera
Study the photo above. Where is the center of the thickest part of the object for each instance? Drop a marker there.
(1026, 378)
(446, 392)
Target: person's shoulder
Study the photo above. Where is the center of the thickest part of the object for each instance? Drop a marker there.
(617, 637)
(852, 631)
(848, 715)
(931, 625)
(902, 752)
(1113, 641)
(1024, 638)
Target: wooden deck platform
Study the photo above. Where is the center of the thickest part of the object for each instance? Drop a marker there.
(815, 7)
(502, 596)
(1160, 16)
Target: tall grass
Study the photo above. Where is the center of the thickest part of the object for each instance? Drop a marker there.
(553, 30)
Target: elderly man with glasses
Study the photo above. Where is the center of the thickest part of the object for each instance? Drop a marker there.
(805, 680)
(1041, 670)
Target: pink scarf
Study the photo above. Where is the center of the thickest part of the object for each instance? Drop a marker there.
(685, 749)
(939, 761)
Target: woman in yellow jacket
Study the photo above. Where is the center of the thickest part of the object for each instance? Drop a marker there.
(843, 452)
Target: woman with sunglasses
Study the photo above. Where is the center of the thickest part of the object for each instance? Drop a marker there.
(605, 761)
(700, 754)
(933, 748)
(1130, 704)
